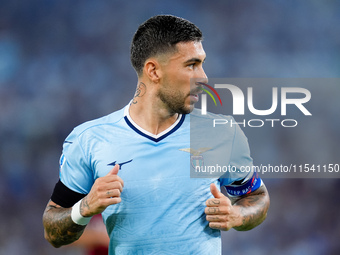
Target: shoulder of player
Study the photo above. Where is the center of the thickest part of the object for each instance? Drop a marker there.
(196, 113)
(210, 119)
(214, 123)
(110, 119)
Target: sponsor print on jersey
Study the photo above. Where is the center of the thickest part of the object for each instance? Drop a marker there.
(120, 164)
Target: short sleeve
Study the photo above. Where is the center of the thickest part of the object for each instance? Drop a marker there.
(241, 179)
(75, 172)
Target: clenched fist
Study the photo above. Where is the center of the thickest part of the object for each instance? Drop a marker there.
(104, 192)
(220, 213)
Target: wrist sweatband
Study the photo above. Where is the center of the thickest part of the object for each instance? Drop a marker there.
(77, 217)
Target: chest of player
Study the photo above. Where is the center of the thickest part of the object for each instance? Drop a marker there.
(147, 160)
(152, 172)
(141, 159)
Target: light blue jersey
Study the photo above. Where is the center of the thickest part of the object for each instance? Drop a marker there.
(162, 208)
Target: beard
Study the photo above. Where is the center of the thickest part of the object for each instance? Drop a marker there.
(175, 101)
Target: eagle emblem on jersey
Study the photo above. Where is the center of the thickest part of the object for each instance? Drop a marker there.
(196, 159)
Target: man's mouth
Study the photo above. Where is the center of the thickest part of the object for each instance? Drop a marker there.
(194, 94)
(194, 98)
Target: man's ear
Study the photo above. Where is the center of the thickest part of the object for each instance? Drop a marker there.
(152, 70)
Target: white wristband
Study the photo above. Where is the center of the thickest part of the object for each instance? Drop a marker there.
(77, 217)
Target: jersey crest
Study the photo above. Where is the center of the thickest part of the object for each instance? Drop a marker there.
(196, 159)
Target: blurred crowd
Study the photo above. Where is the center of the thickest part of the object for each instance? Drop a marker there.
(65, 62)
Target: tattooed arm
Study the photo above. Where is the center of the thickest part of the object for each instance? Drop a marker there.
(58, 224)
(253, 208)
(241, 213)
(59, 227)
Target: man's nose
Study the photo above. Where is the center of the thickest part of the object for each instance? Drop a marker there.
(203, 78)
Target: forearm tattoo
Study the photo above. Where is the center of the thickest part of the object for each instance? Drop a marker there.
(59, 227)
(84, 203)
(140, 91)
(253, 209)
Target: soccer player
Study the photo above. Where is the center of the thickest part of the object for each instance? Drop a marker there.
(133, 165)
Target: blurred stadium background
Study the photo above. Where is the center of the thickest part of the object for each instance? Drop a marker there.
(66, 62)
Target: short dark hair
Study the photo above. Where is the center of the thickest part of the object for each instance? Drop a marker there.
(159, 35)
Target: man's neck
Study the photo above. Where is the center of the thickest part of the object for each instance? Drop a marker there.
(148, 112)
